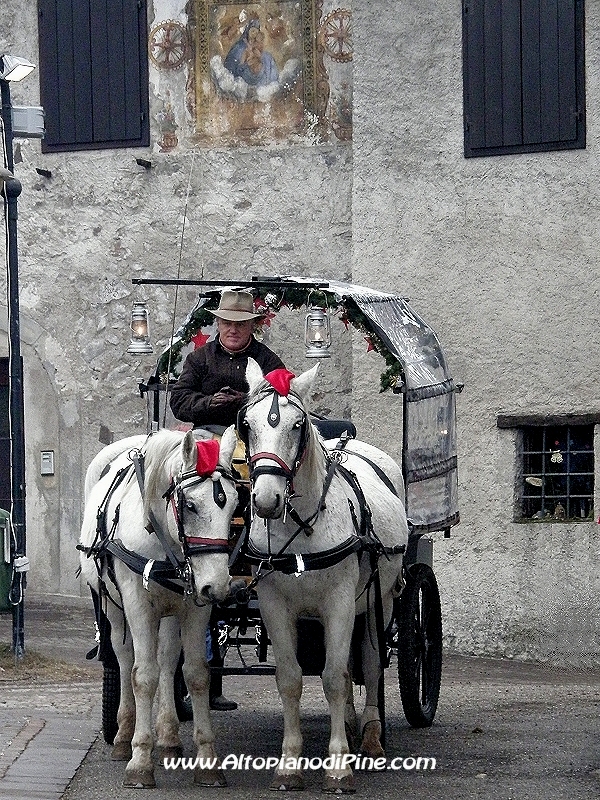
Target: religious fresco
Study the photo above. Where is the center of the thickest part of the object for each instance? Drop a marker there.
(262, 72)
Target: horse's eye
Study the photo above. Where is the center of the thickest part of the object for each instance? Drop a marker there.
(297, 424)
(191, 506)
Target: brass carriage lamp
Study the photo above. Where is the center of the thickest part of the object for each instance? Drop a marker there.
(317, 333)
(140, 331)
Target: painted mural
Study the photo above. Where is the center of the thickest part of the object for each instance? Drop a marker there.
(262, 72)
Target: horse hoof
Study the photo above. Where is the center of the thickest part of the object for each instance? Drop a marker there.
(209, 777)
(371, 740)
(343, 785)
(139, 779)
(121, 751)
(287, 783)
(175, 751)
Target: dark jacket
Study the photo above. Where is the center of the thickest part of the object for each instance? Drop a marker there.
(209, 369)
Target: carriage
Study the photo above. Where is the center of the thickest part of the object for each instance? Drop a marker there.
(417, 371)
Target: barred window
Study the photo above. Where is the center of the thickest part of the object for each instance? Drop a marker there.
(557, 473)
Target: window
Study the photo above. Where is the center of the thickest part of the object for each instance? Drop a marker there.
(556, 467)
(93, 74)
(523, 76)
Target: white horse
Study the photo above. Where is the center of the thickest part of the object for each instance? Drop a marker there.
(169, 648)
(161, 552)
(311, 519)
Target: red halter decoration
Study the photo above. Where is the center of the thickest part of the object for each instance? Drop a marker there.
(280, 380)
(208, 456)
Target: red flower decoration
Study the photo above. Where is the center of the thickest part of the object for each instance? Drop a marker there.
(268, 318)
(370, 345)
(200, 339)
(259, 303)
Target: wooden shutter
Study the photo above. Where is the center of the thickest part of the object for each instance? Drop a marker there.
(93, 73)
(523, 75)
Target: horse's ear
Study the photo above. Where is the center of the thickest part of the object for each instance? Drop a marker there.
(189, 452)
(254, 374)
(302, 385)
(228, 445)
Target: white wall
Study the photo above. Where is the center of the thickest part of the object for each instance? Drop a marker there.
(499, 255)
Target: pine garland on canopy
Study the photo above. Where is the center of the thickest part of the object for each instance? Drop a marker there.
(268, 301)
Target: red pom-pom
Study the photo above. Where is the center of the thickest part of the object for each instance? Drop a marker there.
(280, 380)
(208, 456)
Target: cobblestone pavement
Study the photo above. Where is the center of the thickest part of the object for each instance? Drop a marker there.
(48, 720)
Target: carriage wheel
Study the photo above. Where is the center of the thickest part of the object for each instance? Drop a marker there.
(111, 695)
(419, 619)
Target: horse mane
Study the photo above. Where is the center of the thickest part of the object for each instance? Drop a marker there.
(315, 462)
(159, 447)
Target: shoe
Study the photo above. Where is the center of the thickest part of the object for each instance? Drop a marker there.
(221, 703)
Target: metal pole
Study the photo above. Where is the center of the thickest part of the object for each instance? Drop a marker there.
(12, 190)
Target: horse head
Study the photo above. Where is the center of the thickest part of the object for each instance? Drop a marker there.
(200, 501)
(278, 434)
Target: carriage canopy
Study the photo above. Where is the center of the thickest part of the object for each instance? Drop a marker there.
(415, 366)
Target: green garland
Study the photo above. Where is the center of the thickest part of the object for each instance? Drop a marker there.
(272, 300)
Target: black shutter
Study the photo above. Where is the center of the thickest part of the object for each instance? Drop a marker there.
(93, 73)
(523, 75)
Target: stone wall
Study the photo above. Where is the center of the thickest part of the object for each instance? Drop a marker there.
(211, 213)
(497, 254)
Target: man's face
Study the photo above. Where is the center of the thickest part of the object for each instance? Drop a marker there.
(235, 335)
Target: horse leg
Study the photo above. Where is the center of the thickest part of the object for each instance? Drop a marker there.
(197, 677)
(144, 624)
(370, 723)
(288, 676)
(122, 646)
(338, 622)
(350, 718)
(167, 721)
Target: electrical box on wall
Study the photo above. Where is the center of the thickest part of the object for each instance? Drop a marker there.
(47, 462)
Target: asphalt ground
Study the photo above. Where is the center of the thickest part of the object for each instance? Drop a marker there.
(503, 729)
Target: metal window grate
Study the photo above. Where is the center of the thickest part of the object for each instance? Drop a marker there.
(558, 473)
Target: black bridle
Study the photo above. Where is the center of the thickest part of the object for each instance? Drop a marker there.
(176, 499)
(278, 467)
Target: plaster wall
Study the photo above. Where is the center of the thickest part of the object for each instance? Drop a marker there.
(101, 220)
(499, 255)
(496, 254)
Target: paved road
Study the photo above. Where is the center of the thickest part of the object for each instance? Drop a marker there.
(503, 730)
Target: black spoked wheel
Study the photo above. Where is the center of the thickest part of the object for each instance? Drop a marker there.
(419, 620)
(111, 694)
(183, 702)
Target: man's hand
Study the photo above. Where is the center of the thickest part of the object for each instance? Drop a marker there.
(227, 397)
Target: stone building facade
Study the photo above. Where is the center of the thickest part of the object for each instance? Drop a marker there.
(365, 179)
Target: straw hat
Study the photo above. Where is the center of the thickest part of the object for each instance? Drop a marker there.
(236, 306)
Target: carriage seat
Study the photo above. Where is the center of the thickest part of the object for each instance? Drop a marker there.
(333, 428)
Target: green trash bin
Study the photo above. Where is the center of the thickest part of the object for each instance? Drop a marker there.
(5, 560)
